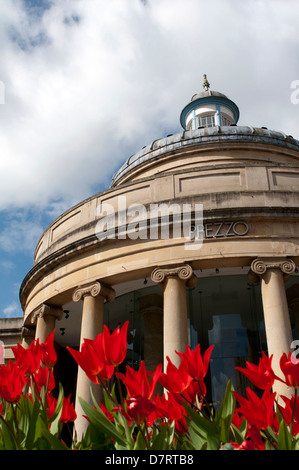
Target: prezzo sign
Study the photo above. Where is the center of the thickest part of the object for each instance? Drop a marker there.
(225, 229)
(162, 221)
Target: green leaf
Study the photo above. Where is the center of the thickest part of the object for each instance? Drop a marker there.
(284, 438)
(9, 439)
(198, 442)
(101, 422)
(239, 434)
(205, 428)
(227, 446)
(164, 438)
(33, 431)
(107, 401)
(226, 413)
(139, 443)
(55, 418)
(55, 443)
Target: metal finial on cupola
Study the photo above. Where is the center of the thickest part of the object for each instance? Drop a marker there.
(205, 84)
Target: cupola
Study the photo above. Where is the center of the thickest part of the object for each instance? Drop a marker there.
(208, 109)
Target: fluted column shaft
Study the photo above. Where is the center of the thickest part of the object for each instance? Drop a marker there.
(93, 297)
(175, 322)
(272, 273)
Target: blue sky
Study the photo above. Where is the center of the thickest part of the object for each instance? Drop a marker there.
(87, 83)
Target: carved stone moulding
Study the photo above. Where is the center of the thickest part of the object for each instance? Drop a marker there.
(183, 272)
(44, 310)
(260, 265)
(94, 289)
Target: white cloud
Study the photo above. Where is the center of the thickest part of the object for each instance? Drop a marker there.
(12, 310)
(90, 82)
(7, 265)
(20, 235)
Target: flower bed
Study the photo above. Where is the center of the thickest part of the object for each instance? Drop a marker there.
(132, 416)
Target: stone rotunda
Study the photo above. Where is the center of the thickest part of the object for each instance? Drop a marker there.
(237, 289)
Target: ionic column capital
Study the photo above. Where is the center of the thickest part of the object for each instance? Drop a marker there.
(260, 265)
(183, 272)
(94, 289)
(47, 310)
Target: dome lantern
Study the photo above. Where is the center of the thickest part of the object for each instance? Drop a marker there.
(208, 109)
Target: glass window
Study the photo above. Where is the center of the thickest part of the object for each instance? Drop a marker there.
(225, 121)
(226, 311)
(206, 121)
(189, 125)
(223, 310)
(143, 309)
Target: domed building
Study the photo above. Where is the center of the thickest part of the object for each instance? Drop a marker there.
(195, 242)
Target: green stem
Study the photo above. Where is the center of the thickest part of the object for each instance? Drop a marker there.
(139, 426)
(268, 437)
(200, 410)
(16, 424)
(10, 430)
(46, 394)
(146, 433)
(126, 426)
(293, 411)
(119, 388)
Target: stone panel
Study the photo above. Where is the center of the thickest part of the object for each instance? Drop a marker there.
(284, 179)
(194, 183)
(65, 225)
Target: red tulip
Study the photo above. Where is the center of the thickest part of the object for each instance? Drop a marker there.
(237, 419)
(137, 382)
(290, 412)
(43, 379)
(115, 344)
(51, 405)
(262, 375)
(258, 412)
(28, 358)
(48, 353)
(12, 382)
(192, 361)
(138, 409)
(92, 360)
(171, 409)
(248, 445)
(176, 380)
(68, 411)
(290, 368)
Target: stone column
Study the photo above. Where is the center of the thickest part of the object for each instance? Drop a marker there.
(45, 318)
(174, 281)
(93, 296)
(273, 272)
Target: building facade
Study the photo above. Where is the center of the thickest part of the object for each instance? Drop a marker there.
(228, 278)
